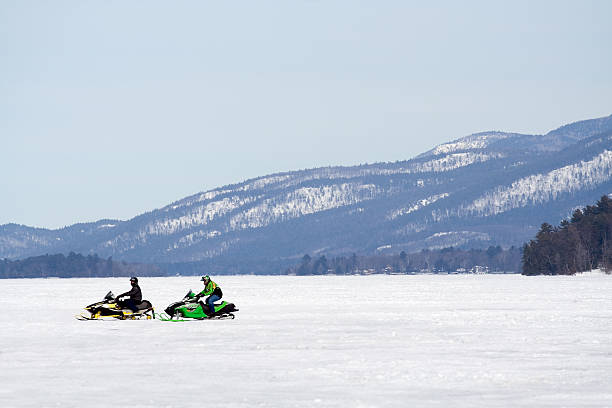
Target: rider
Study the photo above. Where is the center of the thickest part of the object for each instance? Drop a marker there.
(213, 291)
(135, 295)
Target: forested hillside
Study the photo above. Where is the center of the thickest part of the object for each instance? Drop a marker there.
(484, 190)
(73, 266)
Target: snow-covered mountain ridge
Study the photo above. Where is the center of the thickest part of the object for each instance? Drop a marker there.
(490, 188)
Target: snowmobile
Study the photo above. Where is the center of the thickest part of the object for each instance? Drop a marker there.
(109, 308)
(190, 309)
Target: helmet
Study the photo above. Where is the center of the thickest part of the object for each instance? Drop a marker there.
(134, 279)
(205, 278)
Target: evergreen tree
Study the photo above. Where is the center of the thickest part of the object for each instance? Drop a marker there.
(577, 245)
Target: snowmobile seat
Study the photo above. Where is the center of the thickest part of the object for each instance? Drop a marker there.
(144, 305)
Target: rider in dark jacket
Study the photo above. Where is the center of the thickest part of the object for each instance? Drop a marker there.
(135, 295)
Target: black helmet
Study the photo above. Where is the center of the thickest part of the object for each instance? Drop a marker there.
(134, 279)
(205, 278)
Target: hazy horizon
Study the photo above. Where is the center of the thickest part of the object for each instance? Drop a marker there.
(111, 109)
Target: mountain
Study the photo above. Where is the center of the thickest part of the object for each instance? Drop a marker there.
(490, 188)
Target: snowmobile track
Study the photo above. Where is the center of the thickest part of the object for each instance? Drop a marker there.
(164, 317)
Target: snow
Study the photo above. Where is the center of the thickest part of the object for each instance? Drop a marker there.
(595, 272)
(329, 341)
(303, 201)
(297, 203)
(189, 201)
(541, 188)
(447, 239)
(476, 141)
(455, 161)
(263, 182)
(416, 206)
(196, 216)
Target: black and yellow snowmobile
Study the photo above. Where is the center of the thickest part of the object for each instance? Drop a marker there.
(109, 308)
(190, 309)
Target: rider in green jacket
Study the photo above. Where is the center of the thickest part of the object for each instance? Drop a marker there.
(214, 293)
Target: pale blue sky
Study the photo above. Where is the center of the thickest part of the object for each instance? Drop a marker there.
(112, 108)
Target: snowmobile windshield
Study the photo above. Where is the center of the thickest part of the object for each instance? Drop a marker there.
(189, 294)
(109, 295)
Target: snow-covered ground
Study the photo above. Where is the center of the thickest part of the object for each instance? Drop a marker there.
(357, 341)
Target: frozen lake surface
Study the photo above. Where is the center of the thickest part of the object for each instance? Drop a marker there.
(330, 341)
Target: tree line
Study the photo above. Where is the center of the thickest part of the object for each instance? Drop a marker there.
(581, 244)
(73, 266)
(493, 259)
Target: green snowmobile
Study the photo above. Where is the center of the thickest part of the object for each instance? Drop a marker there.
(190, 309)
